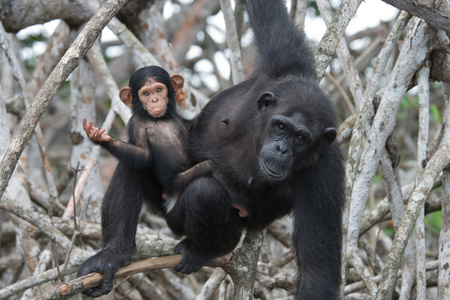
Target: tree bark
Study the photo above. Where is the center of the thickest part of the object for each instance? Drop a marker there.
(67, 64)
(18, 14)
(435, 12)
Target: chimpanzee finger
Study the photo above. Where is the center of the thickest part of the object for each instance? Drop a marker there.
(108, 278)
(94, 132)
(107, 285)
(87, 127)
(101, 132)
(94, 292)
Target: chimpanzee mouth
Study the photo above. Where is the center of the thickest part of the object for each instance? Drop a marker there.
(273, 174)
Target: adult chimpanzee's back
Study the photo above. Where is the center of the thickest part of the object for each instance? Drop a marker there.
(273, 139)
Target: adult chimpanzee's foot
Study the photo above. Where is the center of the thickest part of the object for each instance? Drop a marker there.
(193, 259)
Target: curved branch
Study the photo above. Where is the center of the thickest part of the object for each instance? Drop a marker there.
(83, 283)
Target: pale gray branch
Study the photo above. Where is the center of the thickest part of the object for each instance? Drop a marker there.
(66, 65)
(333, 35)
(435, 12)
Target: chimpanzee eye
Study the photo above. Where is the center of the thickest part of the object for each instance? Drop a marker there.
(279, 127)
(159, 90)
(300, 137)
(146, 93)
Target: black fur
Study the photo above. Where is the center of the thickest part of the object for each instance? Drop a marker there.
(154, 160)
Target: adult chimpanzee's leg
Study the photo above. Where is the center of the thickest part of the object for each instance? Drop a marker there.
(212, 225)
(317, 233)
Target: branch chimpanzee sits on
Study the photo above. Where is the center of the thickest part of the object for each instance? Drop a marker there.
(154, 160)
(273, 140)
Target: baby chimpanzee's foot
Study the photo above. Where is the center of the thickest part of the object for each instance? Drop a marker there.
(193, 259)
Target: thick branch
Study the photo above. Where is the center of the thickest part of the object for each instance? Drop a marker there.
(38, 220)
(243, 267)
(83, 283)
(19, 14)
(67, 64)
(435, 12)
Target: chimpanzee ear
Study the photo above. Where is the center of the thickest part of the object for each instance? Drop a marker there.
(177, 82)
(125, 96)
(266, 100)
(330, 134)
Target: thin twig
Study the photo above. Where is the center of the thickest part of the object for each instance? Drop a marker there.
(237, 70)
(422, 153)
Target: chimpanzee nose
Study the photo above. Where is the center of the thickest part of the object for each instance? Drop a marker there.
(282, 148)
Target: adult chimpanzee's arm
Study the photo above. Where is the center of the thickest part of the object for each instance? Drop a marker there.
(282, 47)
(120, 212)
(317, 231)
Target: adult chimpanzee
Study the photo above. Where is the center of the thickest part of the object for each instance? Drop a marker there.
(273, 138)
(154, 160)
(272, 141)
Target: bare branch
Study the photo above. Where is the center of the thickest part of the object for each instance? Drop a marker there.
(444, 237)
(431, 173)
(19, 14)
(81, 284)
(38, 220)
(383, 125)
(237, 69)
(333, 35)
(435, 12)
(67, 64)
(243, 267)
(422, 155)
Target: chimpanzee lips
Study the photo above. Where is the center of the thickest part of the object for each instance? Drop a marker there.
(275, 169)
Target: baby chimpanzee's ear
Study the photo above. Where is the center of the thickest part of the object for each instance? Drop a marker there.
(177, 82)
(125, 96)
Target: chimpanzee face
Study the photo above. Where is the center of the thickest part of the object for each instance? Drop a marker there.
(296, 128)
(154, 99)
(286, 139)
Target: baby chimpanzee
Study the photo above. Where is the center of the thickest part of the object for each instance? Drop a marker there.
(153, 162)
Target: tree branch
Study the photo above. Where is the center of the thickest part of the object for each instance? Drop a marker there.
(88, 281)
(333, 35)
(437, 163)
(62, 70)
(435, 12)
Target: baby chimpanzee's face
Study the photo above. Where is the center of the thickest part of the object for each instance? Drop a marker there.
(153, 96)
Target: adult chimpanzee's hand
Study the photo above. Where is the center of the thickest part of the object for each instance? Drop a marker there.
(105, 262)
